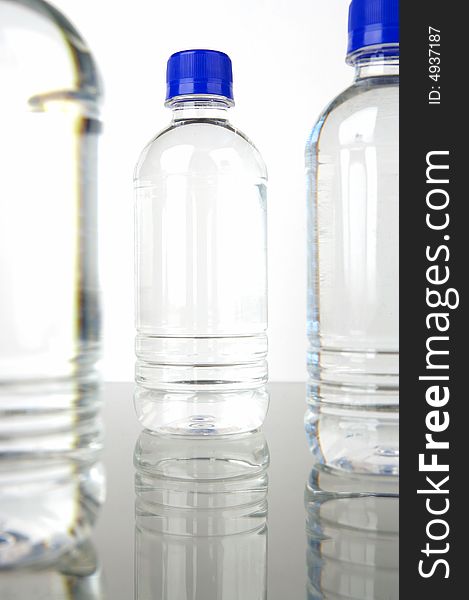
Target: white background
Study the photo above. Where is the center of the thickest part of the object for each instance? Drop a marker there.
(288, 62)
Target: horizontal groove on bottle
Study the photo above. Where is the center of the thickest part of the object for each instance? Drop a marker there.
(201, 350)
(222, 501)
(353, 371)
(218, 522)
(239, 376)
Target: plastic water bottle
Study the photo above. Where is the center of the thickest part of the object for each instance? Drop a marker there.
(49, 300)
(201, 281)
(353, 244)
(50, 434)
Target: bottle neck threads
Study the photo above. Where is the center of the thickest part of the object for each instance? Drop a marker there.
(202, 107)
(375, 62)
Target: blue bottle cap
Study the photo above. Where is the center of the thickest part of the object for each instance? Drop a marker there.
(372, 23)
(195, 72)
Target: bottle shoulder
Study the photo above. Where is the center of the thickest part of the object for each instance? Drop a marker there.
(58, 66)
(361, 111)
(199, 146)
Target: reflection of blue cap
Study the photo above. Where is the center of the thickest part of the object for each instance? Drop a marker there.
(372, 23)
(199, 72)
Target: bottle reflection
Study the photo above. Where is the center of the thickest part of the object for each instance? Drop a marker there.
(352, 536)
(51, 482)
(75, 576)
(201, 512)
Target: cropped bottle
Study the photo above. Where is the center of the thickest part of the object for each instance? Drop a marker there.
(49, 297)
(353, 226)
(201, 279)
(51, 486)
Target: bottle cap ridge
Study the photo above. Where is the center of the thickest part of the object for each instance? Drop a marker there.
(372, 23)
(199, 72)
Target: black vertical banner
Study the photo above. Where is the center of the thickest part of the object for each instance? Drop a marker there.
(434, 267)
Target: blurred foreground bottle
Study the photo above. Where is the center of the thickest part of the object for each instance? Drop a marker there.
(201, 278)
(49, 305)
(75, 576)
(51, 484)
(51, 488)
(352, 160)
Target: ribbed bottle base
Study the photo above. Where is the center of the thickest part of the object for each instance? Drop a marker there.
(199, 412)
(201, 385)
(354, 440)
(51, 480)
(352, 420)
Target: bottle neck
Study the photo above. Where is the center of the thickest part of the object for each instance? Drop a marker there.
(377, 63)
(203, 107)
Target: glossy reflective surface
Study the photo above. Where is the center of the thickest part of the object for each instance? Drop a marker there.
(188, 519)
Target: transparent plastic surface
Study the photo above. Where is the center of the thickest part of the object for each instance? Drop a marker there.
(197, 412)
(353, 240)
(75, 576)
(352, 160)
(49, 304)
(201, 280)
(352, 531)
(51, 488)
(200, 520)
(353, 438)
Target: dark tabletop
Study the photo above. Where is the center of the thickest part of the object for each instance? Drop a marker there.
(241, 518)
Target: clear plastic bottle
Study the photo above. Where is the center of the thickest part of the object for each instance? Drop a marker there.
(51, 489)
(201, 279)
(49, 300)
(353, 226)
(51, 484)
